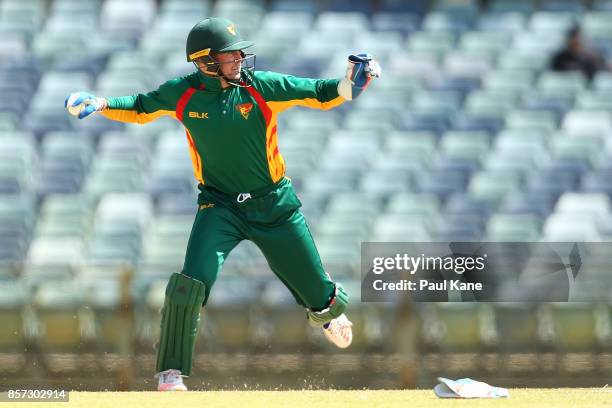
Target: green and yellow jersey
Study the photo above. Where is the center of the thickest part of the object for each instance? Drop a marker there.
(232, 132)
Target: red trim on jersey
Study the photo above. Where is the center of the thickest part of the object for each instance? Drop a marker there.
(182, 102)
(265, 109)
(180, 108)
(272, 136)
(193, 148)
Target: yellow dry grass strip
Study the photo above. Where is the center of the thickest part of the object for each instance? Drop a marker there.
(519, 398)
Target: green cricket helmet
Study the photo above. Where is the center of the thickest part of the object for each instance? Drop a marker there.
(214, 34)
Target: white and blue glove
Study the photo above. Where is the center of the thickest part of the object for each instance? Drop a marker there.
(83, 104)
(360, 71)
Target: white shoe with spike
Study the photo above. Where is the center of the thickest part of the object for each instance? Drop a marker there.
(339, 332)
(170, 380)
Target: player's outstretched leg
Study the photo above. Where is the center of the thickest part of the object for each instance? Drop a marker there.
(179, 329)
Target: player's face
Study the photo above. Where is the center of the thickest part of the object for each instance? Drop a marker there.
(230, 63)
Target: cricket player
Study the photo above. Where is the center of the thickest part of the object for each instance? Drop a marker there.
(230, 112)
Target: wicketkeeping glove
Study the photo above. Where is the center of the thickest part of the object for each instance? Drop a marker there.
(360, 71)
(83, 104)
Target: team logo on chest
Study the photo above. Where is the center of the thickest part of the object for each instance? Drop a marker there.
(244, 109)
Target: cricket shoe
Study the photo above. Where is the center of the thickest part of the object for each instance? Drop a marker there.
(170, 380)
(339, 331)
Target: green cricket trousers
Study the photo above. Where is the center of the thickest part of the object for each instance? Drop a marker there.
(271, 219)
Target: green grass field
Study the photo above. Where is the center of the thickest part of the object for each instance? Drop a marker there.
(564, 397)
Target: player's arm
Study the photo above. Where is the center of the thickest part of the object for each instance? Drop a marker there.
(284, 91)
(140, 108)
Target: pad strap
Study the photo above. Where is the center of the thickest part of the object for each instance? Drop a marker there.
(336, 307)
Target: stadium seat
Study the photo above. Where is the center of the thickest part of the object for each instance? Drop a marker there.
(598, 101)
(523, 60)
(514, 228)
(542, 101)
(447, 22)
(375, 121)
(531, 120)
(597, 182)
(567, 317)
(510, 161)
(435, 104)
(14, 297)
(309, 6)
(561, 6)
(552, 21)
(538, 204)
(562, 227)
(404, 23)
(478, 122)
(464, 204)
(493, 186)
(553, 182)
(525, 7)
(585, 148)
(50, 258)
(468, 63)
(441, 183)
(448, 231)
(353, 22)
(517, 327)
(561, 82)
(383, 183)
(509, 80)
(57, 307)
(465, 144)
(392, 161)
(131, 18)
(399, 227)
(543, 42)
(581, 122)
(104, 298)
(596, 25)
(602, 5)
(412, 67)
(508, 22)
(597, 204)
(423, 143)
(425, 205)
(433, 42)
(459, 327)
(602, 81)
(282, 325)
(485, 41)
(225, 315)
(399, 6)
(455, 83)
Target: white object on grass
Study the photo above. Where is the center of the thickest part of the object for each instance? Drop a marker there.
(467, 388)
